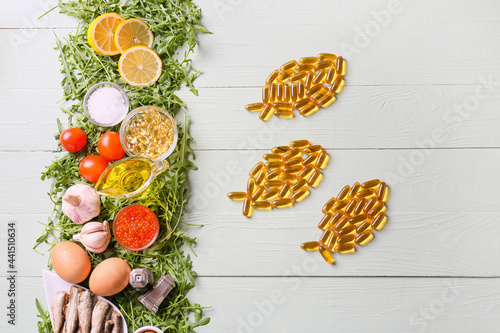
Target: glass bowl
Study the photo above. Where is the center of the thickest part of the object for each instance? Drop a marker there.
(149, 131)
(148, 328)
(133, 221)
(92, 90)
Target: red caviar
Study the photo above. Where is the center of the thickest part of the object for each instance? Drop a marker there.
(135, 227)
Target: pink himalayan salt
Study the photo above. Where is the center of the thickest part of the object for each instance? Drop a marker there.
(106, 105)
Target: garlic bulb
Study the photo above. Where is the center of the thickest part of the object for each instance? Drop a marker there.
(80, 203)
(95, 236)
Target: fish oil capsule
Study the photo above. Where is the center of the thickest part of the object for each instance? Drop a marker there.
(336, 218)
(327, 56)
(280, 150)
(273, 183)
(343, 192)
(288, 65)
(379, 221)
(297, 77)
(273, 90)
(323, 160)
(338, 84)
(274, 165)
(376, 209)
(357, 219)
(237, 196)
(314, 89)
(310, 246)
(294, 92)
(312, 149)
(341, 66)
(282, 106)
(287, 96)
(308, 60)
(272, 157)
(258, 192)
(319, 95)
(331, 243)
(298, 185)
(328, 205)
(262, 205)
(300, 144)
(255, 107)
(304, 68)
(341, 224)
(282, 203)
(280, 91)
(364, 238)
(293, 161)
(284, 191)
(308, 80)
(247, 207)
(382, 192)
(256, 169)
(293, 169)
(306, 172)
(273, 174)
(284, 76)
(265, 94)
(354, 190)
(315, 179)
(309, 110)
(272, 77)
(370, 183)
(365, 193)
(345, 248)
(359, 208)
(319, 77)
(350, 207)
(283, 114)
(325, 237)
(326, 100)
(292, 153)
(349, 229)
(300, 194)
(288, 177)
(370, 204)
(323, 64)
(346, 239)
(251, 186)
(330, 75)
(363, 226)
(270, 194)
(266, 113)
(325, 221)
(339, 205)
(301, 90)
(261, 176)
(300, 105)
(326, 255)
(310, 159)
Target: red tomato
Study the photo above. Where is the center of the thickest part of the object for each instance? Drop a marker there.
(73, 139)
(91, 167)
(109, 146)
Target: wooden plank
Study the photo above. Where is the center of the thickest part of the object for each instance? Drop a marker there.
(289, 304)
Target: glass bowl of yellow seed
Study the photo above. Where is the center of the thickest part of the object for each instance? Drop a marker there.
(149, 131)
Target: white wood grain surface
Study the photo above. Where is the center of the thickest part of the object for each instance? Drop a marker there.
(420, 110)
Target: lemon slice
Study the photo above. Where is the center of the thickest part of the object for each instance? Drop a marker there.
(100, 34)
(132, 32)
(140, 66)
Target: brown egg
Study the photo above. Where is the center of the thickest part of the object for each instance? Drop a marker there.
(70, 262)
(109, 277)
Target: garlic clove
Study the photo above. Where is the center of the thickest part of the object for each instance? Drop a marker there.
(81, 203)
(95, 236)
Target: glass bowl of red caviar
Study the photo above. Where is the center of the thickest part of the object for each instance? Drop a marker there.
(136, 227)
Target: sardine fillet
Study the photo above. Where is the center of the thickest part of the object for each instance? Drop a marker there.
(99, 316)
(58, 305)
(85, 311)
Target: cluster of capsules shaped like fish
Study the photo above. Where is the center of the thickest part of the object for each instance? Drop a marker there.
(350, 219)
(306, 85)
(284, 178)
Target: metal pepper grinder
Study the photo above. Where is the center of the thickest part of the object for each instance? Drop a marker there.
(141, 279)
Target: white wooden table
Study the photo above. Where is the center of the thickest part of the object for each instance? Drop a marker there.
(421, 110)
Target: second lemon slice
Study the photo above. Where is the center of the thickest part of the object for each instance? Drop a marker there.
(131, 33)
(140, 66)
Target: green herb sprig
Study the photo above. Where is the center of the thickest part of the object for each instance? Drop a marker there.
(175, 24)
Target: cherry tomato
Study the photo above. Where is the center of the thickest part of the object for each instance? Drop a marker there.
(73, 139)
(91, 167)
(109, 146)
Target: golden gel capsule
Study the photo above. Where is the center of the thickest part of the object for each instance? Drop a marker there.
(343, 193)
(379, 221)
(284, 191)
(294, 93)
(306, 172)
(376, 209)
(350, 207)
(284, 76)
(346, 239)
(257, 193)
(326, 255)
(280, 91)
(310, 159)
(382, 192)
(363, 226)
(300, 144)
(272, 157)
(315, 179)
(283, 106)
(341, 66)
(255, 107)
(262, 205)
(319, 77)
(354, 190)
(325, 221)
(293, 161)
(308, 60)
(370, 183)
(297, 77)
(336, 218)
(301, 90)
(294, 152)
(288, 65)
(369, 205)
(349, 229)
(273, 183)
(314, 89)
(288, 177)
(330, 75)
(365, 193)
(312, 149)
(309, 110)
(282, 203)
(256, 169)
(293, 169)
(357, 219)
(328, 205)
(283, 114)
(359, 208)
(338, 84)
(298, 185)
(364, 238)
(304, 68)
(308, 80)
(310, 246)
(273, 90)
(251, 186)
(237, 196)
(319, 95)
(272, 77)
(273, 174)
(287, 93)
(261, 176)
(300, 194)
(341, 224)
(301, 104)
(323, 64)
(345, 248)
(331, 243)
(247, 207)
(280, 150)
(325, 237)
(326, 100)
(323, 160)
(270, 194)
(274, 165)
(327, 56)
(267, 113)
(265, 94)
(339, 205)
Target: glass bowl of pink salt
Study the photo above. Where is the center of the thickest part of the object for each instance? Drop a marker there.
(106, 104)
